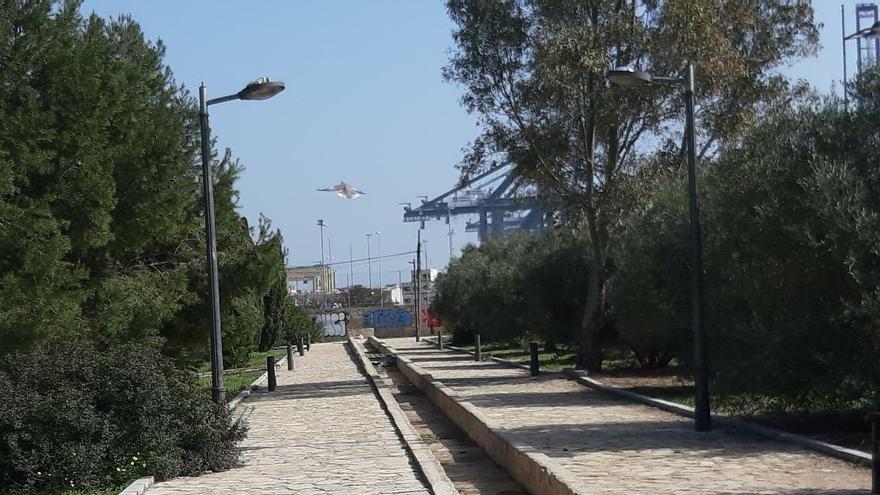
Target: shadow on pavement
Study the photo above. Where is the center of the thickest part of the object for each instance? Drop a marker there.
(313, 390)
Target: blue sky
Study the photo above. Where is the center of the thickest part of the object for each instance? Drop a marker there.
(365, 103)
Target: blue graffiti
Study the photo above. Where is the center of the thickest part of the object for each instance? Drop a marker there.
(388, 318)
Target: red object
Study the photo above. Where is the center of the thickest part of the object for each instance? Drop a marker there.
(429, 319)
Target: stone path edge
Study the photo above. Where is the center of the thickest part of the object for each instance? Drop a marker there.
(831, 450)
(439, 483)
(140, 486)
(534, 470)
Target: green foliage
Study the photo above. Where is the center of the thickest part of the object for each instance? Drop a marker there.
(100, 204)
(534, 72)
(79, 416)
(299, 323)
(519, 285)
(650, 294)
(790, 227)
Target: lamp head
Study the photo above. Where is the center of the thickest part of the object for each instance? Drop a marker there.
(261, 89)
(627, 76)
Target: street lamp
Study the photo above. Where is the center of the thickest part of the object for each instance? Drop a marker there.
(631, 77)
(369, 265)
(260, 89)
(321, 225)
(379, 259)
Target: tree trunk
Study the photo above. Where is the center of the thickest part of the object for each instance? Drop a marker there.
(589, 356)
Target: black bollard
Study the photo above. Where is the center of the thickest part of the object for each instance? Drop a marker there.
(440, 339)
(533, 354)
(874, 419)
(300, 348)
(478, 351)
(289, 356)
(270, 369)
(308, 342)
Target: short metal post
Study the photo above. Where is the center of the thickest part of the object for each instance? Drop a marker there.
(533, 354)
(308, 342)
(289, 356)
(300, 347)
(270, 369)
(874, 419)
(478, 351)
(440, 339)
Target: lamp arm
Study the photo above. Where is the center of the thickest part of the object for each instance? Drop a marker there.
(223, 99)
(678, 81)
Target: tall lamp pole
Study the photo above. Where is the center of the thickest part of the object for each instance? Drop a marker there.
(321, 225)
(369, 266)
(872, 32)
(630, 77)
(379, 259)
(350, 273)
(260, 89)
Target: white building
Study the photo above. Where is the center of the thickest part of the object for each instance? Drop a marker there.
(311, 279)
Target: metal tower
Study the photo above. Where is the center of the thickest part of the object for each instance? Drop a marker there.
(868, 49)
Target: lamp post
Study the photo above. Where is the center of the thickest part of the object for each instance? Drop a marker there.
(369, 266)
(321, 225)
(379, 259)
(260, 89)
(630, 77)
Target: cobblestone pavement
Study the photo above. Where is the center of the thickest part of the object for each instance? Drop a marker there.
(322, 431)
(616, 447)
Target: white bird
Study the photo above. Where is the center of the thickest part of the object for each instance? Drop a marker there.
(344, 190)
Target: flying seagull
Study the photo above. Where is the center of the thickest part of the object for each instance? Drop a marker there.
(344, 190)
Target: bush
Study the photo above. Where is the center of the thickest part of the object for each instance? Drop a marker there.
(77, 416)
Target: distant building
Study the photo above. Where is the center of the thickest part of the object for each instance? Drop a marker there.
(314, 278)
(404, 293)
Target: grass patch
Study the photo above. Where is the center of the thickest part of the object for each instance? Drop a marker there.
(254, 360)
(511, 351)
(233, 382)
(258, 359)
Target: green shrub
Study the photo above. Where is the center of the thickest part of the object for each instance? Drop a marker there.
(76, 416)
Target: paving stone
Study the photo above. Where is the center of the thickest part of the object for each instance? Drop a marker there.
(322, 431)
(616, 447)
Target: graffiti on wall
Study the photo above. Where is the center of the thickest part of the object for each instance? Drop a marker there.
(388, 318)
(334, 323)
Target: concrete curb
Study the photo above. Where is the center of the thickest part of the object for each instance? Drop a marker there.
(487, 356)
(439, 483)
(828, 449)
(534, 470)
(138, 487)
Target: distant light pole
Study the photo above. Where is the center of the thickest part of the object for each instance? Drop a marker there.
(260, 89)
(350, 273)
(321, 225)
(369, 265)
(630, 77)
(379, 259)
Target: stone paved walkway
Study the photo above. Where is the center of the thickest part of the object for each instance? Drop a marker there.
(322, 431)
(616, 447)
